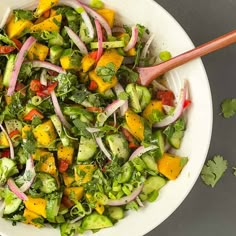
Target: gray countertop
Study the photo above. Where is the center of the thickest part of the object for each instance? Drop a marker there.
(207, 211)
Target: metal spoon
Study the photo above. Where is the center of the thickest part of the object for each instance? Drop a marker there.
(148, 74)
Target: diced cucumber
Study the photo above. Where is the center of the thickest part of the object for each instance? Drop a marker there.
(9, 69)
(83, 33)
(12, 125)
(150, 162)
(58, 126)
(126, 173)
(139, 164)
(153, 183)
(87, 149)
(159, 137)
(52, 208)
(116, 212)
(95, 221)
(12, 202)
(176, 138)
(49, 183)
(118, 145)
(55, 53)
(108, 45)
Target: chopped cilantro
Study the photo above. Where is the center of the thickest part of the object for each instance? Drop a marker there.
(23, 15)
(106, 72)
(126, 73)
(213, 170)
(228, 107)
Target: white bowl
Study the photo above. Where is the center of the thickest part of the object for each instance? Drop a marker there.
(169, 36)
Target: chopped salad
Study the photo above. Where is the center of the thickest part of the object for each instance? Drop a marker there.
(82, 141)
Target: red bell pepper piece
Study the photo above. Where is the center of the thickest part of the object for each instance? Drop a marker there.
(6, 153)
(167, 97)
(6, 49)
(92, 85)
(63, 166)
(36, 86)
(18, 43)
(32, 114)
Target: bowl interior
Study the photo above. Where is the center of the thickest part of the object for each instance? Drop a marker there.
(170, 36)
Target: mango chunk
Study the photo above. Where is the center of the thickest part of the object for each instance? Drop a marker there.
(36, 205)
(14, 28)
(65, 153)
(170, 166)
(48, 165)
(83, 173)
(38, 52)
(31, 217)
(51, 24)
(87, 63)
(102, 86)
(67, 64)
(3, 141)
(108, 15)
(135, 125)
(43, 6)
(45, 134)
(98, 206)
(74, 192)
(68, 180)
(154, 105)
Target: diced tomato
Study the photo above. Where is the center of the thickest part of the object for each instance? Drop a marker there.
(167, 97)
(67, 202)
(92, 85)
(52, 86)
(6, 153)
(36, 86)
(130, 138)
(6, 49)
(32, 114)
(18, 43)
(42, 94)
(187, 103)
(47, 13)
(63, 166)
(94, 109)
(21, 87)
(14, 133)
(93, 54)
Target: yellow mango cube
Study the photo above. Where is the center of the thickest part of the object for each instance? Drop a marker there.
(43, 6)
(48, 165)
(36, 205)
(87, 63)
(68, 180)
(45, 134)
(15, 28)
(83, 173)
(38, 52)
(50, 24)
(30, 218)
(3, 141)
(74, 192)
(151, 107)
(67, 64)
(65, 153)
(108, 15)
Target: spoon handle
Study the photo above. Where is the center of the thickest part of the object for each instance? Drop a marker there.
(150, 73)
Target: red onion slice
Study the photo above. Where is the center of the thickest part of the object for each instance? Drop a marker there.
(19, 60)
(100, 40)
(29, 169)
(119, 89)
(177, 112)
(12, 155)
(5, 17)
(111, 108)
(145, 49)
(47, 65)
(80, 9)
(13, 187)
(97, 16)
(140, 151)
(58, 110)
(133, 39)
(127, 199)
(76, 40)
(103, 148)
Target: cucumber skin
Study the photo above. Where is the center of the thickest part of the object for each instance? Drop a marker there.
(153, 183)
(87, 149)
(8, 70)
(96, 221)
(116, 213)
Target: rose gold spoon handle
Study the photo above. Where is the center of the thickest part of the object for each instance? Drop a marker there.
(148, 74)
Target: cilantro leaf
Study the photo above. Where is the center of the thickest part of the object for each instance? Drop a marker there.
(126, 73)
(23, 15)
(213, 170)
(106, 72)
(228, 107)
